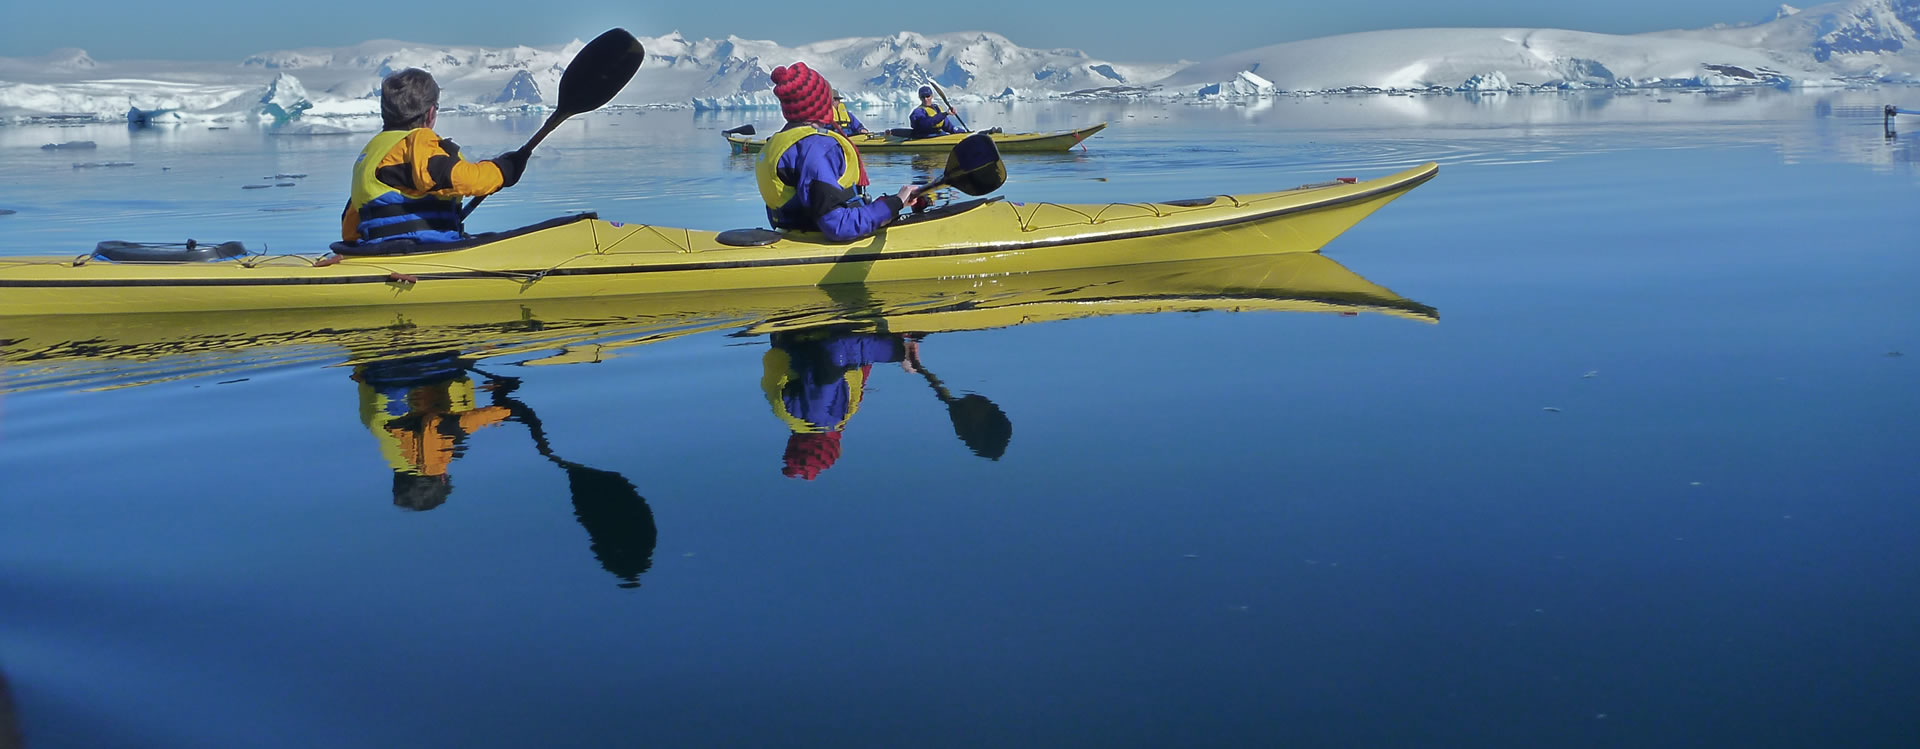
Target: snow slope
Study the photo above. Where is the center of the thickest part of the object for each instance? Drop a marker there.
(1854, 39)
(1425, 58)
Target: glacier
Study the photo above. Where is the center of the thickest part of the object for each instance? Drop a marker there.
(1851, 42)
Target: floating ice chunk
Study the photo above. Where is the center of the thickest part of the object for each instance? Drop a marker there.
(72, 145)
(1494, 81)
(284, 99)
(311, 129)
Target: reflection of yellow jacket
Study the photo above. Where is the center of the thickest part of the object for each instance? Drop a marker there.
(431, 434)
(820, 407)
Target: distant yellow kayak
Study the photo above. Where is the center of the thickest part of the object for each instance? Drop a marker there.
(584, 256)
(1058, 140)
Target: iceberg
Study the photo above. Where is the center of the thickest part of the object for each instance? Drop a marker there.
(284, 100)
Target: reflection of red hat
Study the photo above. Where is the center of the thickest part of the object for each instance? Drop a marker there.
(804, 95)
(809, 454)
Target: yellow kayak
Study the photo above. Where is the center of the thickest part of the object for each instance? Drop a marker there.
(1058, 140)
(126, 350)
(584, 256)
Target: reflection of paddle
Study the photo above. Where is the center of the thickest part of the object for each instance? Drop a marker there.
(943, 100)
(979, 423)
(974, 167)
(602, 68)
(619, 523)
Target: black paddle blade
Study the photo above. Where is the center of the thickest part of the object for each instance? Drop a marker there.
(741, 130)
(975, 167)
(981, 425)
(618, 521)
(602, 68)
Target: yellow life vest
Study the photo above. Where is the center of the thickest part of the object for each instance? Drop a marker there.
(841, 119)
(777, 193)
(383, 212)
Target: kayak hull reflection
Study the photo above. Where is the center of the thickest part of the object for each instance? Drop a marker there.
(90, 351)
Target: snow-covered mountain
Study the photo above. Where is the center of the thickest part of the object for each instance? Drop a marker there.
(1855, 40)
(1858, 37)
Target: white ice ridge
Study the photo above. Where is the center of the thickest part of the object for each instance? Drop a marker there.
(1857, 41)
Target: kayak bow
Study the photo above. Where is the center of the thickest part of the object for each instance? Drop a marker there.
(1058, 140)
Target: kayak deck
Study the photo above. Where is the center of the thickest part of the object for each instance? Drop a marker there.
(1058, 140)
(586, 257)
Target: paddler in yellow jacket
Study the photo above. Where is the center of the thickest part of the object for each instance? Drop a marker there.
(408, 182)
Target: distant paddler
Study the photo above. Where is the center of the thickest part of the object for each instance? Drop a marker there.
(844, 122)
(929, 120)
(810, 176)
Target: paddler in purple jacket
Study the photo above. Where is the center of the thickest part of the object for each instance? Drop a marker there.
(810, 176)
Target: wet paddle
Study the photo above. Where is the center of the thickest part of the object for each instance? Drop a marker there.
(974, 167)
(595, 75)
(741, 130)
(943, 100)
(979, 423)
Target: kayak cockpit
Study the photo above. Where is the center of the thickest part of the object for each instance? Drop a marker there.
(410, 247)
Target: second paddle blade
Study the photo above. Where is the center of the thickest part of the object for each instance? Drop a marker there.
(599, 71)
(975, 167)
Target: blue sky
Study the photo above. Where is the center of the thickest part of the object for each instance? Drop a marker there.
(1121, 30)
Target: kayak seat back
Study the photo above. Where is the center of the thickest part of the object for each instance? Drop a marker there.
(191, 252)
(410, 247)
(748, 237)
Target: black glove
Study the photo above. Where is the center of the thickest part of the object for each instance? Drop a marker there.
(512, 164)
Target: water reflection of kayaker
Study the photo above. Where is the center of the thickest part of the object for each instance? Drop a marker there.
(815, 379)
(421, 409)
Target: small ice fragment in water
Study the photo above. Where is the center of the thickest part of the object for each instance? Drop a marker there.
(285, 184)
(255, 187)
(294, 175)
(1599, 716)
(1190, 556)
(1550, 409)
(1591, 375)
(7, 211)
(99, 164)
(1693, 483)
(77, 145)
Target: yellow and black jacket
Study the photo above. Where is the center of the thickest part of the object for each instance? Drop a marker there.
(407, 184)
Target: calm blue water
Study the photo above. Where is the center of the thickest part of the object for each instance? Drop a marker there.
(1650, 481)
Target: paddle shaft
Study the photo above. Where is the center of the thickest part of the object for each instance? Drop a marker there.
(552, 122)
(943, 100)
